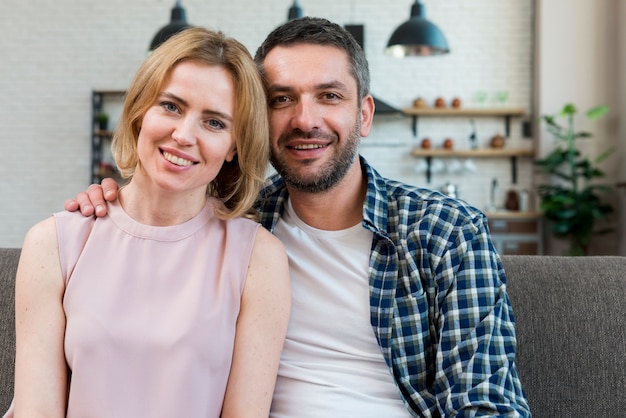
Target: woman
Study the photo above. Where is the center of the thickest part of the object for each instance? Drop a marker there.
(175, 304)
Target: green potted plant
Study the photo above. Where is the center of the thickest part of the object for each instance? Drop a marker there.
(103, 120)
(572, 204)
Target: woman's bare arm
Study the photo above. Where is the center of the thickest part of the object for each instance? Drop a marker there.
(261, 329)
(40, 367)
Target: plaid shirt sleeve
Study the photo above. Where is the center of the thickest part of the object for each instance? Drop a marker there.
(475, 372)
(439, 305)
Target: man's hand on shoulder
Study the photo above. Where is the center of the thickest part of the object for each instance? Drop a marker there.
(93, 201)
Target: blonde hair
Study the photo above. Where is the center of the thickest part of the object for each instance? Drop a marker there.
(238, 182)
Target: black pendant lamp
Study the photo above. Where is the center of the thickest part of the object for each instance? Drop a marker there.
(295, 11)
(417, 36)
(177, 23)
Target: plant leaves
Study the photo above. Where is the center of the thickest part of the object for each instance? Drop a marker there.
(605, 154)
(571, 203)
(568, 109)
(597, 112)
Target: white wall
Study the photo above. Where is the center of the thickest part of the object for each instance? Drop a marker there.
(580, 60)
(57, 52)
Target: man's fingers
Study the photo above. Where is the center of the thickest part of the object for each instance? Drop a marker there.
(86, 208)
(110, 188)
(71, 205)
(94, 198)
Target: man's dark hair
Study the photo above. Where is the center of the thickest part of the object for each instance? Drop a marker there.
(318, 31)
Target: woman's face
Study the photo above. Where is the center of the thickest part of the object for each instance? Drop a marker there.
(187, 134)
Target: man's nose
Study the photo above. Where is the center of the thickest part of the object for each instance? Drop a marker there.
(307, 116)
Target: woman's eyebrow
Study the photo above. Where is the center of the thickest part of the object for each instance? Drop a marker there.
(211, 112)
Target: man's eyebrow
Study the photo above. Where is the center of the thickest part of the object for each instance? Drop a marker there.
(274, 88)
(330, 85)
(212, 112)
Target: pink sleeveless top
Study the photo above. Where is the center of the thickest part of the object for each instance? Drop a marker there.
(151, 312)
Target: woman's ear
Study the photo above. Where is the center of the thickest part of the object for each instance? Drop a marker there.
(231, 154)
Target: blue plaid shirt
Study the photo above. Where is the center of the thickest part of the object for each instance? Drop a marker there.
(438, 300)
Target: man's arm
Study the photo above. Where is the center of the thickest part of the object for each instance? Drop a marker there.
(92, 201)
(476, 355)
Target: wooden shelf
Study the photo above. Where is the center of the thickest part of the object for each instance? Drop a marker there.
(111, 92)
(103, 133)
(509, 214)
(450, 111)
(472, 153)
(506, 112)
(511, 153)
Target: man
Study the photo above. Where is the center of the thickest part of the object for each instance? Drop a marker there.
(399, 301)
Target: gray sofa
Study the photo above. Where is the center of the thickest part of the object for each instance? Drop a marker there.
(571, 330)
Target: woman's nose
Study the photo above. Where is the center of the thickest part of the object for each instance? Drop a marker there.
(184, 132)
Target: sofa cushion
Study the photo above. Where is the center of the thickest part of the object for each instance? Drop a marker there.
(570, 315)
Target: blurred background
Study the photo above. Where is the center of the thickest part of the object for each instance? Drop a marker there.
(529, 57)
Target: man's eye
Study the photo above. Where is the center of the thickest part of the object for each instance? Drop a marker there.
(279, 100)
(331, 96)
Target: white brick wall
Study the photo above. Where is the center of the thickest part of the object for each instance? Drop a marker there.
(53, 54)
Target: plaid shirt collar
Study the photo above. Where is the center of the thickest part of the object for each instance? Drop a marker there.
(274, 194)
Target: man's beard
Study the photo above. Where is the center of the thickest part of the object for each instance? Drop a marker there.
(328, 175)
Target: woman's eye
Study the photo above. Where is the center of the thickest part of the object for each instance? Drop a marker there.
(216, 124)
(169, 106)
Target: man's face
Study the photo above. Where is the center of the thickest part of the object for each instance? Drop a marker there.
(315, 120)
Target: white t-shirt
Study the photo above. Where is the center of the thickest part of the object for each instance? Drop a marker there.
(331, 364)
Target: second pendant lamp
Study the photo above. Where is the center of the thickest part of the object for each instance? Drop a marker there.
(417, 36)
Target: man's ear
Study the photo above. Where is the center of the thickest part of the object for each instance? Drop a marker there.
(367, 114)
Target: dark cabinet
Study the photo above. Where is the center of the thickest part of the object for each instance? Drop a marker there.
(516, 233)
(104, 105)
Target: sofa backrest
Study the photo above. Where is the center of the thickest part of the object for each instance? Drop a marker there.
(570, 321)
(8, 266)
(570, 315)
